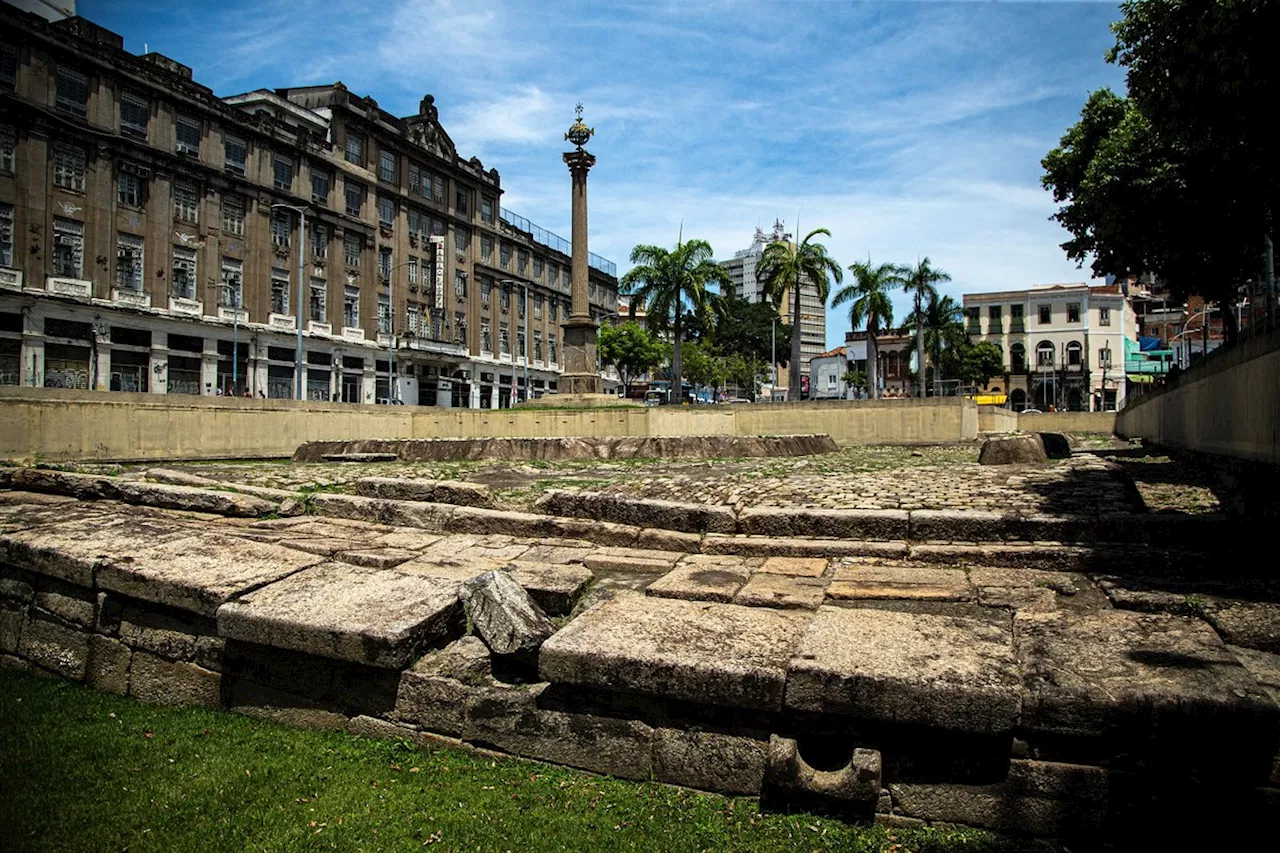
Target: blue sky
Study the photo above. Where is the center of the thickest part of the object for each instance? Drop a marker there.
(908, 129)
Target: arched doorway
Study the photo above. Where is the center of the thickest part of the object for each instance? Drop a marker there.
(1018, 400)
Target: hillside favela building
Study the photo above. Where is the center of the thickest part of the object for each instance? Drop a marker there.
(152, 239)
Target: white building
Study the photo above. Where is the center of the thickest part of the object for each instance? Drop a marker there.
(1063, 344)
(813, 311)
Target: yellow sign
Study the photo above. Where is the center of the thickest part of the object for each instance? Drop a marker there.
(991, 399)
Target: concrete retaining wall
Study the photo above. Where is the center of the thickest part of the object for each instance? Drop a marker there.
(997, 419)
(1229, 408)
(51, 425)
(1076, 422)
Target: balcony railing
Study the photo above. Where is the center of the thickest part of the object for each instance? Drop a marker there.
(995, 327)
(555, 241)
(1016, 327)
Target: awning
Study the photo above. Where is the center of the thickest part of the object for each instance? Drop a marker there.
(1141, 378)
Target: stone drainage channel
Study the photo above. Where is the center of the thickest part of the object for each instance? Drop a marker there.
(905, 682)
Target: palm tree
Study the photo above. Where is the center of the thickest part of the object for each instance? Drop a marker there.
(921, 284)
(943, 329)
(664, 280)
(868, 295)
(787, 266)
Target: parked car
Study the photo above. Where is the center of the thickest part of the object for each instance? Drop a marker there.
(1032, 412)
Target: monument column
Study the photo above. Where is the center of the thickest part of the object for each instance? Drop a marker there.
(581, 372)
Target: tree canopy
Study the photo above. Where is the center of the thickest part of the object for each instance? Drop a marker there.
(788, 267)
(631, 348)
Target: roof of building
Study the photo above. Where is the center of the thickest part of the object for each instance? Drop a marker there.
(832, 353)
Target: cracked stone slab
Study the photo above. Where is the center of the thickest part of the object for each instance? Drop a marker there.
(630, 560)
(700, 582)
(708, 653)
(798, 567)
(199, 572)
(1140, 679)
(945, 672)
(556, 587)
(898, 582)
(770, 590)
(378, 617)
(75, 550)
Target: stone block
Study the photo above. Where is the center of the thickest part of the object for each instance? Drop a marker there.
(108, 666)
(192, 499)
(899, 582)
(55, 646)
(200, 572)
(698, 582)
(467, 519)
(376, 729)
(504, 615)
(13, 618)
(827, 523)
(434, 692)
(709, 761)
(945, 672)
(167, 634)
(428, 516)
(1050, 557)
(162, 682)
(1149, 683)
(707, 653)
(654, 539)
(785, 591)
(605, 533)
(856, 781)
(1013, 450)
(798, 567)
(267, 703)
(16, 586)
(376, 558)
(430, 491)
(378, 617)
(73, 550)
(1252, 624)
(511, 721)
(957, 525)
(767, 546)
(555, 587)
(69, 603)
(630, 560)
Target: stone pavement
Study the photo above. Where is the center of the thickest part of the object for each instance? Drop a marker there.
(1030, 687)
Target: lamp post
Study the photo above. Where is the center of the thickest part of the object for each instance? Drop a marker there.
(391, 329)
(302, 248)
(525, 310)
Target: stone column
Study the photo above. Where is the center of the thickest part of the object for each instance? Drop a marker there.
(581, 375)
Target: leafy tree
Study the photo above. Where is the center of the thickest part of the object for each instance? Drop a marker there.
(979, 361)
(671, 283)
(701, 367)
(631, 348)
(855, 379)
(869, 302)
(788, 267)
(746, 329)
(921, 284)
(745, 373)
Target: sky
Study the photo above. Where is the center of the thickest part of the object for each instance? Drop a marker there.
(908, 129)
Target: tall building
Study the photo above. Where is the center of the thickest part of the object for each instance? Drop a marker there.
(1063, 345)
(813, 311)
(151, 239)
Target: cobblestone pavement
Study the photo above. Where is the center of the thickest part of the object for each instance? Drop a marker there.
(1114, 478)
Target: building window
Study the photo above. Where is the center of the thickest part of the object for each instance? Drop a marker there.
(537, 269)
(233, 214)
(1074, 354)
(320, 186)
(522, 261)
(8, 148)
(1015, 318)
(521, 351)
(73, 92)
(235, 152)
(8, 67)
(504, 300)
(417, 225)
(553, 309)
(486, 285)
(68, 167)
(412, 266)
(283, 173)
(384, 263)
(551, 349)
(129, 189)
(1104, 316)
(386, 211)
(436, 187)
(504, 255)
(184, 202)
(521, 300)
(351, 245)
(355, 148)
(537, 306)
(281, 229)
(551, 274)
(1018, 357)
(232, 284)
(318, 290)
(320, 241)
(459, 284)
(1104, 357)
(486, 209)
(1073, 312)
(995, 322)
(412, 313)
(189, 132)
(415, 178)
(184, 273)
(437, 227)
(68, 247)
(461, 238)
(279, 292)
(351, 307)
(129, 262)
(486, 248)
(135, 114)
(537, 345)
(973, 313)
(1045, 313)
(504, 340)
(387, 166)
(355, 199)
(486, 338)
(1044, 354)
(462, 200)
(6, 235)
(384, 315)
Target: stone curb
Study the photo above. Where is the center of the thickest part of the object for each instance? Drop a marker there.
(94, 487)
(664, 515)
(454, 492)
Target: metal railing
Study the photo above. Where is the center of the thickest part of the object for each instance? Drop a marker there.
(555, 241)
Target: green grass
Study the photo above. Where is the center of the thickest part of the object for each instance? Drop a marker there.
(87, 771)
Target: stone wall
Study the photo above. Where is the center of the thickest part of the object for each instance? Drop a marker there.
(50, 425)
(997, 419)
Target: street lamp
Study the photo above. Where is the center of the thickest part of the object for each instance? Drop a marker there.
(391, 330)
(301, 210)
(525, 350)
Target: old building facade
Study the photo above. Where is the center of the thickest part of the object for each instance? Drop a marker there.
(152, 239)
